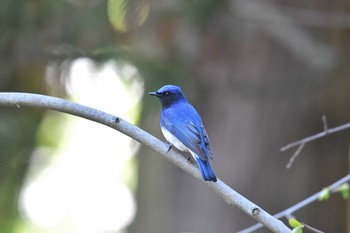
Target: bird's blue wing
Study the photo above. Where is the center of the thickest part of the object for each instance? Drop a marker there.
(184, 122)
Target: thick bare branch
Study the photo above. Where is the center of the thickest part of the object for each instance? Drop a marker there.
(227, 193)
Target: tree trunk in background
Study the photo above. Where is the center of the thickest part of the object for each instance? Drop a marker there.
(258, 86)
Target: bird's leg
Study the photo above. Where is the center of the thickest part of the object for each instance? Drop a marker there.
(189, 159)
(169, 147)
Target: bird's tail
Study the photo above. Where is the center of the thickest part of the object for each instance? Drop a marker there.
(206, 171)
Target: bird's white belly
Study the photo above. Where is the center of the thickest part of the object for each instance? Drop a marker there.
(173, 140)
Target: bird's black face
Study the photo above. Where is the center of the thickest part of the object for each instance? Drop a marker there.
(168, 97)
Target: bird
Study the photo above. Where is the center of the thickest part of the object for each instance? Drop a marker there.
(182, 127)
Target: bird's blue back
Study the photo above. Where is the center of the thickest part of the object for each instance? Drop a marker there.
(183, 121)
(182, 126)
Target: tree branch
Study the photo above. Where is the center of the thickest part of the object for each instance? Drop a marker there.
(295, 155)
(281, 26)
(333, 187)
(316, 136)
(223, 190)
(301, 143)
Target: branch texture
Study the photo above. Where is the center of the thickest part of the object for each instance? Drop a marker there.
(227, 193)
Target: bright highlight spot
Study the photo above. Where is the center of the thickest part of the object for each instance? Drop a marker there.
(84, 186)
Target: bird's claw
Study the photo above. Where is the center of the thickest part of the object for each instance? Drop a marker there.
(169, 147)
(189, 160)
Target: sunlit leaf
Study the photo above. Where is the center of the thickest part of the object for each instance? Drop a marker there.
(125, 14)
(344, 190)
(297, 229)
(325, 194)
(116, 14)
(293, 222)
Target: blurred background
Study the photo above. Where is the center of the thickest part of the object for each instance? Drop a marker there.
(261, 73)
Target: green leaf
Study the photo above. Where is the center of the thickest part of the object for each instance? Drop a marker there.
(324, 195)
(344, 190)
(117, 10)
(298, 229)
(126, 14)
(293, 222)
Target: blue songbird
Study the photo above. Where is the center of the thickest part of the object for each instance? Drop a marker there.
(182, 126)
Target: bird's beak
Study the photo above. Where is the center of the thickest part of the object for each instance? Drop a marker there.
(153, 93)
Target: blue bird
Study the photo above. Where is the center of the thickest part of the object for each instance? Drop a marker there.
(182, 126)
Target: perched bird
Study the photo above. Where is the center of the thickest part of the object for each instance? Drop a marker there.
(182, 127)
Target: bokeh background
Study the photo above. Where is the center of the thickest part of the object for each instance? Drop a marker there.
(261, 73)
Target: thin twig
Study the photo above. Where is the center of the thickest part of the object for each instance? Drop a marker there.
(349, 159)
(312, 229)
(290, 216)
(318, 18)
(223, 190)
(316, 136)
(305, 202)
(325, 124)
(301, 146)
(306, 17)
(295, 155)
(283, 27)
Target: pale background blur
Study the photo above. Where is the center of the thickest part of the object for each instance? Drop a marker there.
(261, 73)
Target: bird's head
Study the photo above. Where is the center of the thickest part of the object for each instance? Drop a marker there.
(168, 95)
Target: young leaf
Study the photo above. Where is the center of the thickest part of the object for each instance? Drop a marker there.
(344, 190)
(324, 195)
(293, 222)
(126, 14)
(297, 229)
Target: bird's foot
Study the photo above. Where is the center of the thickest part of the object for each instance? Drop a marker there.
(169, 147)
(189, 159)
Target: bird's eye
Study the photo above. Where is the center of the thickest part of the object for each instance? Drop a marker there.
(167, 93)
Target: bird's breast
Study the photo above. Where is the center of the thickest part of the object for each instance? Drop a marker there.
(173, 140)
